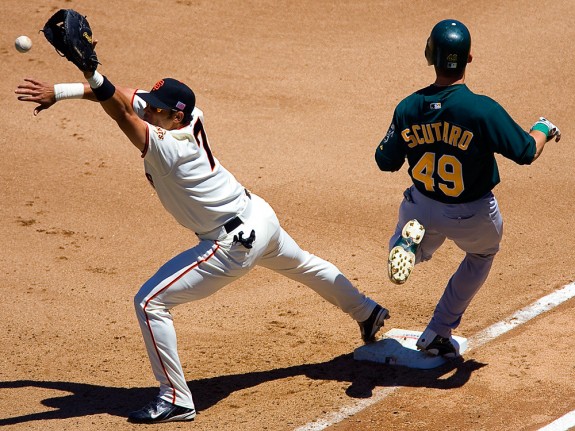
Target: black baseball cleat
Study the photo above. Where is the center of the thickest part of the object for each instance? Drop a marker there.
(369, 327)
(436, 345)
(161, 411)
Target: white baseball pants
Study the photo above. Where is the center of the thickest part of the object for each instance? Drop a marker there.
(217, 261)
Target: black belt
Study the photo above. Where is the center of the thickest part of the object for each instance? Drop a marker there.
(236, 221)
(232, 224)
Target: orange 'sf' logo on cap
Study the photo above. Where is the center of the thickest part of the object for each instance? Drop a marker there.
(158, 85)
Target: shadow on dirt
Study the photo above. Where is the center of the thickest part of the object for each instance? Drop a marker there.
(364, 377)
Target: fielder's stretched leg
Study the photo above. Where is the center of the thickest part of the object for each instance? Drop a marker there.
(286, 257)
(192, 275)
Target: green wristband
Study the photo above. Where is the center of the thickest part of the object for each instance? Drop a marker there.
(541, 128)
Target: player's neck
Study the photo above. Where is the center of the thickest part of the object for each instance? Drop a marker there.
(446, 81)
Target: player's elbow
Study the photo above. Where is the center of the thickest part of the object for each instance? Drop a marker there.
(386, 164)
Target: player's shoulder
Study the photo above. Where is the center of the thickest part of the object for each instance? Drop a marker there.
(197, 113)
(470, 101)
(412, 101)
(478, 97)
(408, 101)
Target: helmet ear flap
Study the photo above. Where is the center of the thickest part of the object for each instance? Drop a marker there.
(429, 52)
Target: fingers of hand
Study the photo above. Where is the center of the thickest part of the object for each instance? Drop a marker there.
(28, 95)
(558, 136)
(32, 81)
(554, 133)
(30, 85)
(33, 91)
(26, 89)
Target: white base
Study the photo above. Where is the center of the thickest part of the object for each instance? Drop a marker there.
(397, 347)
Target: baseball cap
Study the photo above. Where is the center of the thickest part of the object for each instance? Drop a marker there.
(169, 93)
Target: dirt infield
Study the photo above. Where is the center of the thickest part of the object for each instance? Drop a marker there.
(296, 96)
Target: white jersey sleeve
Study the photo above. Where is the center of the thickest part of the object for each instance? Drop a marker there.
(138, 104)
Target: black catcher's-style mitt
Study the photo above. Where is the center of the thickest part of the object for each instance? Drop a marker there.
(71, 35)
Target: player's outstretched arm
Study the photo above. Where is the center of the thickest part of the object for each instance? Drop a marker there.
(119, 107)
(46, 94)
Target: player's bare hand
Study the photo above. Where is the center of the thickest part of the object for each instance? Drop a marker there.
(39, 92)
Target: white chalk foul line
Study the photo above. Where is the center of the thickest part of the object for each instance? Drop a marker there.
(346, 412)
(525, 314)
(564, 423)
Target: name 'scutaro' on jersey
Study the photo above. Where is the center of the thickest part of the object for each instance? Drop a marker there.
(420, 134)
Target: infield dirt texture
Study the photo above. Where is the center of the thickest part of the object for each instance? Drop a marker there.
(296, 97)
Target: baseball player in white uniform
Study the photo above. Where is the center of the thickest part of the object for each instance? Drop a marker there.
(237, 229)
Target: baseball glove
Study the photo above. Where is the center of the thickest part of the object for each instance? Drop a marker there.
(71, 35)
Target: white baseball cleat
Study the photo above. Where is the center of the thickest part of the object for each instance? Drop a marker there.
(401, 260)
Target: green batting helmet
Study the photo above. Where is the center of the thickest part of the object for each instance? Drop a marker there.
(448, 46)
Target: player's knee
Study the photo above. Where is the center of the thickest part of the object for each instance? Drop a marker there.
(141, 299)
(422, 257)
(146, 302)
(139, 303)
(485, 256)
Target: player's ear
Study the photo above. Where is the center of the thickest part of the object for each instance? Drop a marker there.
(179, 116)
(470, 57)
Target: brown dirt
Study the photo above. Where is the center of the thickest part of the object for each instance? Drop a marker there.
(296, 96)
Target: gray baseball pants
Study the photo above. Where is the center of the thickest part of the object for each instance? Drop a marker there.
(475, 227)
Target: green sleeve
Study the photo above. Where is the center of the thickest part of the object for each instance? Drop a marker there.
(390, 153)
(507, 137)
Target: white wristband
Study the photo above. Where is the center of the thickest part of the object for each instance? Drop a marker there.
(68, 91)
(96, 80)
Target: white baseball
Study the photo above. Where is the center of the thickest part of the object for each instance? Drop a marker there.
(23, 43)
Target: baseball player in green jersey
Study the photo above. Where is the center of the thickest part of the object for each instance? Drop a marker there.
(449, 136)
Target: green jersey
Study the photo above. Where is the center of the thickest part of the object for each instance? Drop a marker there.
(449, 136)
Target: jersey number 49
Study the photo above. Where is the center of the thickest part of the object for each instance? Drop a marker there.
(448, 170)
